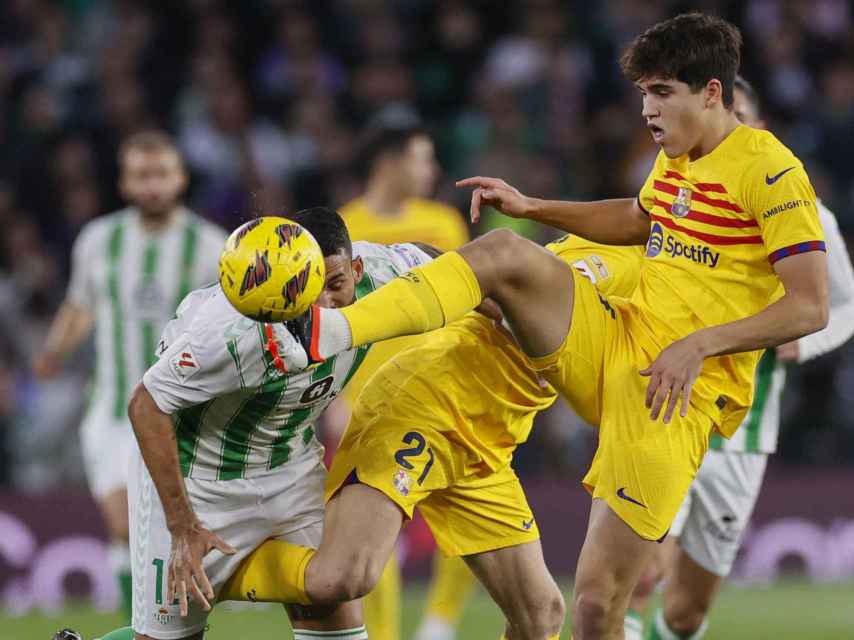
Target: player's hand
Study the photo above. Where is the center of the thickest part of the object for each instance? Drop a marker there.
(47, 365)
(186, 575)
(789, 352)
(494, 192)
(671, 377)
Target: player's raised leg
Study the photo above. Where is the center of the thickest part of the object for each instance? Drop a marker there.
(360, 529)
(612, 559)
(533, 287)
(519, 581)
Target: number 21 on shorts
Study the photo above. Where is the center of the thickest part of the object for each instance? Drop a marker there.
(417, 444)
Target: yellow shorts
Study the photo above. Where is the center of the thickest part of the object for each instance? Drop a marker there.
(642, 468)
(436, 427)
(417, 466)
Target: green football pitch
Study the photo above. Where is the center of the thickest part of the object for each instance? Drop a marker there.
(784, 611)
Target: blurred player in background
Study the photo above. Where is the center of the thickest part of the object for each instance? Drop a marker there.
(707, 532)
(129, 271)
(400, 169)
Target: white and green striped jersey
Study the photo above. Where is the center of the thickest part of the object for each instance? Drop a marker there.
(237, 414)
(759, 431)
(133, 280)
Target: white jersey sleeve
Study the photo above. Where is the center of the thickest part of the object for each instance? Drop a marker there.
(384, 262)
(840, 325)
(211, 243)
(208, 350)
(81, 287)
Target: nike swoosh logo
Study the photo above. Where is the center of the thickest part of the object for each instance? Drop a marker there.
(527, 525)
(773, 179)
(621, 493)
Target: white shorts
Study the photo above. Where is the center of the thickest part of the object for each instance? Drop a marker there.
(715, 513)
(287, 505)
(107, 443)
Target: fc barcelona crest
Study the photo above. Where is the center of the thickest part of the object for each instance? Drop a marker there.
(682, 205)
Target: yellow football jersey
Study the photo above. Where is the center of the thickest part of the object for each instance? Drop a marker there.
(717, 226)
(422, 220)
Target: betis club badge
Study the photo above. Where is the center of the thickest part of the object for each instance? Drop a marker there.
(682, 205)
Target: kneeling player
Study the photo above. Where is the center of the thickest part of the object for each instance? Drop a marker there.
(435, 428)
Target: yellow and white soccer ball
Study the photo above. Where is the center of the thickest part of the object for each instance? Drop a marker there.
(271, 269)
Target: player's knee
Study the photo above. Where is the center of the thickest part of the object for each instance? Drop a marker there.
(590, 608)
(497, 257)
(358, 579)
(648, 581)
(588, 614)
(538, 618)
(684, 616)
(553, 615)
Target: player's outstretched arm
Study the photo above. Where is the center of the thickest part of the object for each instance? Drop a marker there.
(71, 325)
(620, 221)
(190, 540)
(802, 310)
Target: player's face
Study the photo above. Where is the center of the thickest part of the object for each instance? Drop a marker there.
(674, 114)
(419, 167)
(342, 276)
(746, 111)
(153, 181)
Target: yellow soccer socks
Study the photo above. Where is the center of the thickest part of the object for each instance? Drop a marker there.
(274, 572)
(381, 606)
(426, 298)
(450, 588)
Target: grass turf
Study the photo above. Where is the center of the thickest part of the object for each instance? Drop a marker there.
(783, 611)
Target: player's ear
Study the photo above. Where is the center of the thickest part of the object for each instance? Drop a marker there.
(358, 268)
(714, 92)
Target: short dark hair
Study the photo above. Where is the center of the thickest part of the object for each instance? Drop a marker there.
(327, 227)
(148, 140)
(748, 90)
(692, 48)
(383, 140)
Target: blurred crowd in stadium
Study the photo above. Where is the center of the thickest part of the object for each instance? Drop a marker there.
(269, 99)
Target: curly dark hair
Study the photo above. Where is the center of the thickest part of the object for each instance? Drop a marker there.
(692, 48)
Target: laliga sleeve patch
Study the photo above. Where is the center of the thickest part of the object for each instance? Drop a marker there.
(184, 364)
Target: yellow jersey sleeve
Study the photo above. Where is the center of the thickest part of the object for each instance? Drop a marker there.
(781, 198)
(646, 196)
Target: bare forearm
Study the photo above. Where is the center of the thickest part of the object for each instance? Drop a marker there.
(783, 321)
(70, 326)
(156, 437)
(618, 222)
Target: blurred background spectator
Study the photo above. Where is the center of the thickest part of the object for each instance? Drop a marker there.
(268, 99)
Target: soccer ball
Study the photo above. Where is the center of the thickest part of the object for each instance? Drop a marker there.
(271, 269)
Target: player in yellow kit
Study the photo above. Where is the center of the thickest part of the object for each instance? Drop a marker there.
(727, 214)
(400, 172)
(435, 428)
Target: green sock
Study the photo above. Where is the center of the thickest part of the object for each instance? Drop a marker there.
(125, 633)
(633, 625)
(658, 629)
(126, 590)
